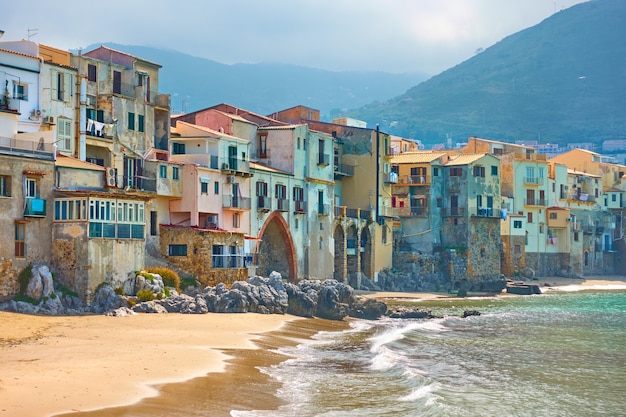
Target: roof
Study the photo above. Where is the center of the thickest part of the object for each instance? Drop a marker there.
(285, 127)
(612, 190)
(69, 162)
(584, 174)
(416, 157)
(465, 159)
(209, 131)
(557, 208)
(261, 167)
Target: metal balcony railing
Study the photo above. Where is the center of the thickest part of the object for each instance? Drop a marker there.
(323, 159)
(236, 202)
(282, 204)
(323, 209)
(415, 179)
(299, 206)
(38, 148)
(35, 207)
(533, 180)
(453, 211)
(344, 169)
(534, 202)
(391, 178)
(264, 203)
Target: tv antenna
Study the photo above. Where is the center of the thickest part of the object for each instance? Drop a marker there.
(31, 32)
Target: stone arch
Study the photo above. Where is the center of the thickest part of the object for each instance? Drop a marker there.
(365, 245)
(276, 251)
(340, 253)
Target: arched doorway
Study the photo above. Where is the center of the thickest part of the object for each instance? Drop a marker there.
(340, 254)
(352, 248)
(366, 253)
(275, 251)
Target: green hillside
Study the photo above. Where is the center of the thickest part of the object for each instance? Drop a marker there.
(561, 81)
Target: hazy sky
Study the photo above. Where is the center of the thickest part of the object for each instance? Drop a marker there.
(386, 35)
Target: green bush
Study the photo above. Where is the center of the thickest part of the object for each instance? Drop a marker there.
(64, 290)
(145, 295)
(24, 278)
(119, 291)
(188, 282)
(25, 298)
(170, 278)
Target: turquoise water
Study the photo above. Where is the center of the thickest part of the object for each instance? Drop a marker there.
(557, 354)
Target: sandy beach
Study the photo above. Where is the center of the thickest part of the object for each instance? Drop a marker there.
(146, 365)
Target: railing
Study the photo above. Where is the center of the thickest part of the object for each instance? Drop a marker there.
(344, 169)
(533, 180)
(323, 209)
(9, 104)
(389, 211)
(35, 207)
(484, 212)
(452, 211)
(563, 195)
(415, 179)
(264, 203)
(236, 202)
(534, 202)
(365, 214)
(228, 261)
(234, 164)
(391, 178)
(282, 204)
(588, 229)
(412, 211)
(323, 159)
(300, 206)
(37, 148)
(584, 197)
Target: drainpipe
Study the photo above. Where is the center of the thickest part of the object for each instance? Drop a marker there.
(82, 117)
(378, 217)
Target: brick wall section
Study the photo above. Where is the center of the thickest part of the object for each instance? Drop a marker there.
(9, 286)
(198, 261)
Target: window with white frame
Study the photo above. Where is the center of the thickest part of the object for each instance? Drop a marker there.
(116, 219)
(20, 90)
(30, 190)
(70, 209)
(61, 87)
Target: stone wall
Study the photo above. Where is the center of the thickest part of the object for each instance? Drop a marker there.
(198, 262)
(9, 286)
(484, 248)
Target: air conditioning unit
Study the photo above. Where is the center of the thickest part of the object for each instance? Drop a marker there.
(35, 114)
(49, 120)
(225, 165)
(231, 179)
(111, 177)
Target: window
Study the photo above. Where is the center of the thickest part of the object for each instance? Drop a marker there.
(163, 171)
(261, 189)
(140, 123)
(517, 249)
(553, 216)
(131, 121)
(5, 186)
(263, 146)
(494, 170)
(216, 187)
(456, 172)
(281, 192)
(575, 236)
(298, 142)
(116, 219)
(541, 229)
(70, 209)
(177, 250)
(153, 223)
(435, 172)
(530, 217)
(217, 258)
(31, 188)
(61, 88)
(479, 171)
(613, 197)
(20, 245)
(64, 134)
(117, 82)
(20, 90)
(298, 194)
(91, 72)
(384, 238)
(178, 148)
(236, 220)
(204, 187)
(517, 224)
(322, 158)
(175, 173)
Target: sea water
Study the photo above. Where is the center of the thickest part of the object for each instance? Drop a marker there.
(556, 354)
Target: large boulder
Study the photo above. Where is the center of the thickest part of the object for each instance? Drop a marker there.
(41, 284)
(105, 299)
(368, 308)
(301, 303)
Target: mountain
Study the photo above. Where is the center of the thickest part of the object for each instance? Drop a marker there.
(264, 88)
(561, 81)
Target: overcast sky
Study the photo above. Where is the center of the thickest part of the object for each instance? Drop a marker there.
(387, 35)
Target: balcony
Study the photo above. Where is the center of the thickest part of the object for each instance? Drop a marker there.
(300, 207)
(35, 207)
(484, 212)
(412, 211)
(235, 166)
(323, 159)
(535, 202)
(453, 211)
(533, 181)
(390, 178)
(415, 179)
(236, 202)
(282, 204)
(9, 104)
(344, 170)
(37, 149)
(389, 211)
(264, 203)
(323, 209)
